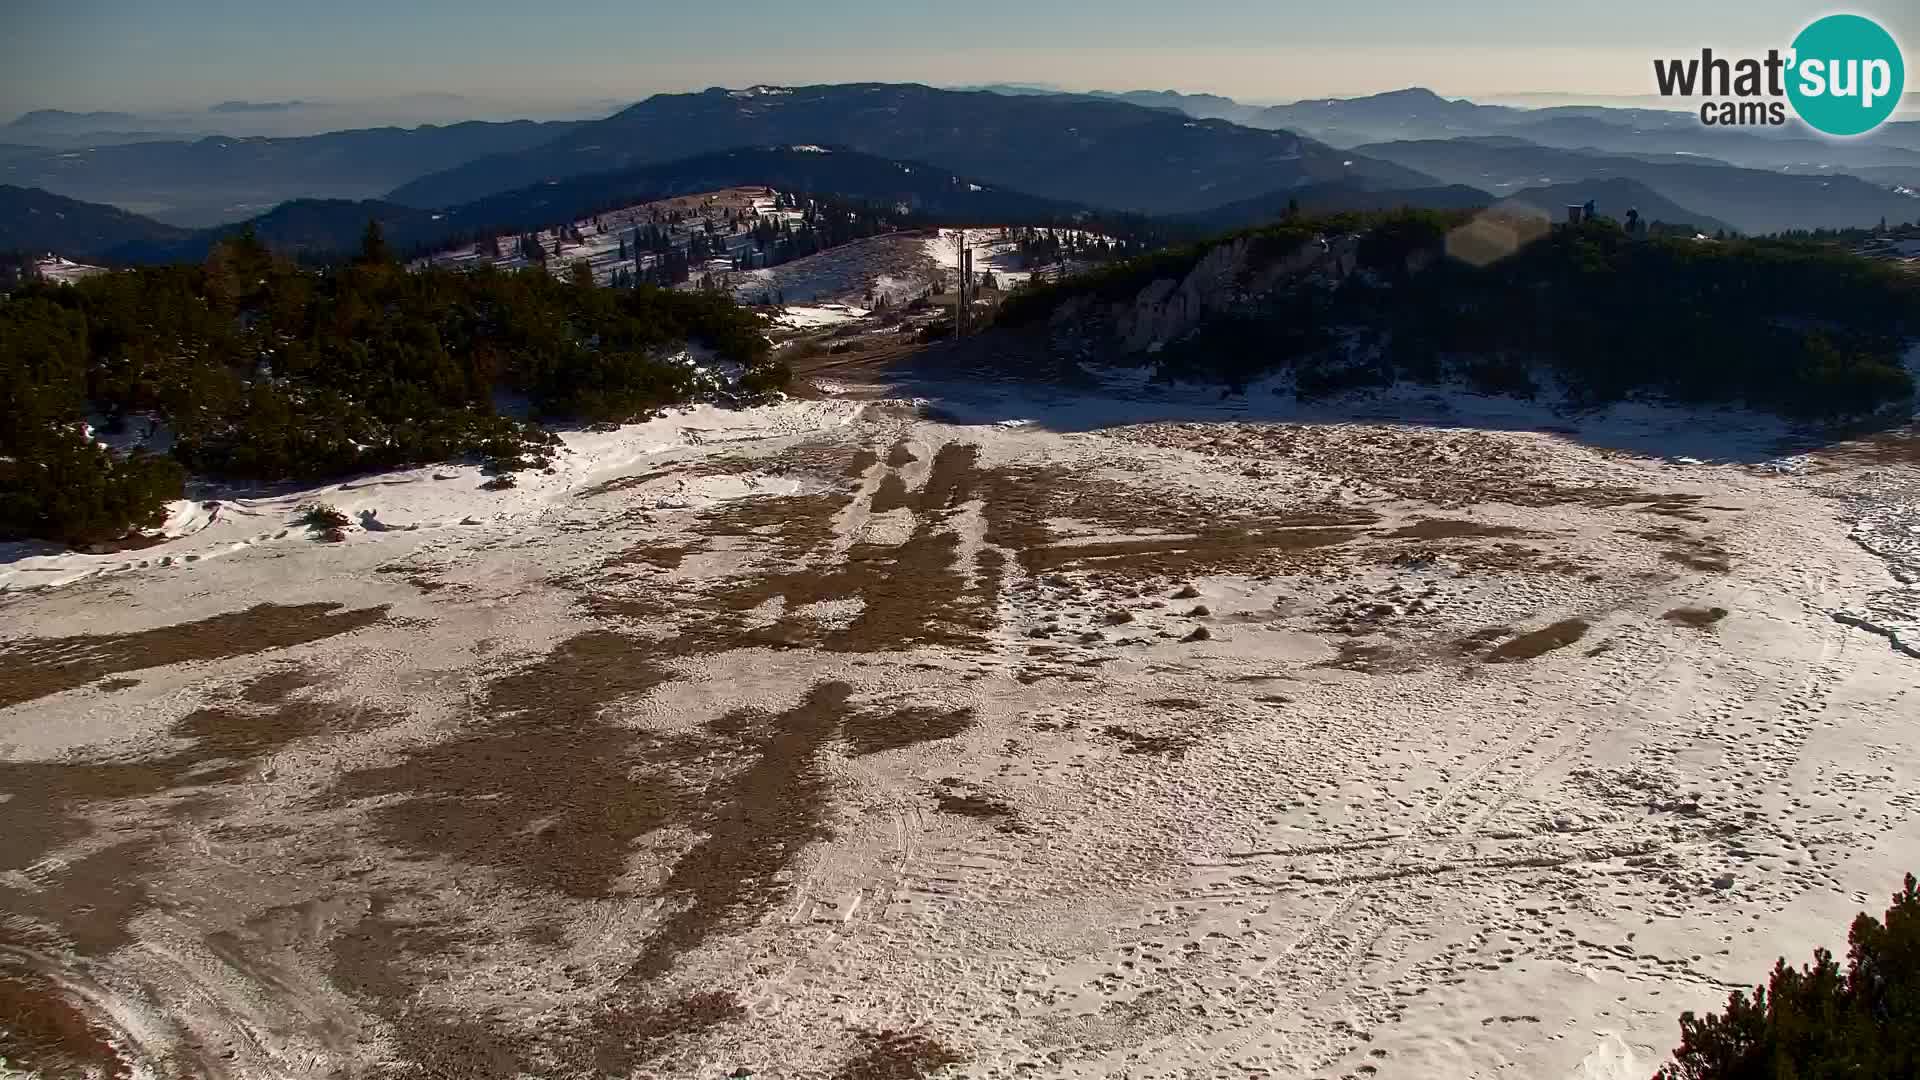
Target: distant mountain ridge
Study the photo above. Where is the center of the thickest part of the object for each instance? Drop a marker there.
(315, 227)
(1105, 153)
(214, 179)
(1194, 157)
(254, 106)
(1752, 200)
(1891, 155)
(61, 119)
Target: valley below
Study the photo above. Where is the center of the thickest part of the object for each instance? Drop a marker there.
(983, 727)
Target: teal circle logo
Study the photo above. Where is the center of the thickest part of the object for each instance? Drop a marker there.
(1847, 75)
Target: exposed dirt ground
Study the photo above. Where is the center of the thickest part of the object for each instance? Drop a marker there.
(1029, 748)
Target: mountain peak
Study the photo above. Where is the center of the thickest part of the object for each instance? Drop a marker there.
(41, 117)
(1410, 96)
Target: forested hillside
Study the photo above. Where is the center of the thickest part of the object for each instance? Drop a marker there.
(1798, 328)
(38, 221)
(262, 371)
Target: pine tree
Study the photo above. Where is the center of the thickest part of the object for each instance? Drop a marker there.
(373, 246)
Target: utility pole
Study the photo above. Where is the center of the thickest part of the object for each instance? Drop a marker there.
(965, 263)
(966, 291)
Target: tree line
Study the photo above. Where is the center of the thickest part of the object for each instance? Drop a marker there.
(1798, 327)
(265, 371)
(1859, 1020)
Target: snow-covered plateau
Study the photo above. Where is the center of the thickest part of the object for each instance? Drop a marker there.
(977, 729)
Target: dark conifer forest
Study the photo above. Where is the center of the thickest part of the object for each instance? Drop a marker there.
(1791, 326)
(263, 372)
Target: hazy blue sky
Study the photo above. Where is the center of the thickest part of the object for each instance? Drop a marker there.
(145, 54)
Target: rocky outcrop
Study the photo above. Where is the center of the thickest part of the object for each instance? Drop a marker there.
(1227, 276)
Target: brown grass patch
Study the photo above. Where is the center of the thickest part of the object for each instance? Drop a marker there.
(918, 593)
(1700, 555)
(896, 1055)
(90, 903)
(374, 963)
(47, 1035)
(765, 817)
(1481, 639)
(870, 732)
(1540, 642)
(52, 804)
(382, 962)
(1684, 507)
(275, 687)
(891, 494)
(1446, 529)
(951, 480)
(627, 1035)
(659, 556)
(36, 667)
(1692, 552)
(1699, 618)
(541, 787)
(795, 525)
(1176, 704)
(622, 483)
(1172, 747)
(914, 593)
(979, 807)
(1201, 538)
(1510, 557)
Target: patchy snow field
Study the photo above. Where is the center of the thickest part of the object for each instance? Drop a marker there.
(832, 287)
(603, 234)
(61, 271)
(894, 265)
(996, 252)
(221, 522)
(1060, 736)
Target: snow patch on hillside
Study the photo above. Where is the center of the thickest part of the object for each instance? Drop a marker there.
(61, 271)
(221, 519)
